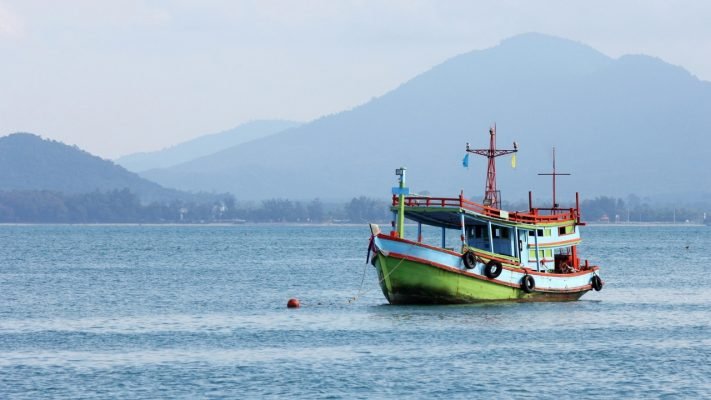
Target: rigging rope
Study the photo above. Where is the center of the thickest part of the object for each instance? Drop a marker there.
(361, 293)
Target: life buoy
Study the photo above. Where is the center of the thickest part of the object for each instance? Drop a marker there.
(596, 283)
(469, 260)
(493, 269)
(528, 283)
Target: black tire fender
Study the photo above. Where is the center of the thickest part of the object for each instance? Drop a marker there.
(469, 260)
(493, 269)
(528, 283)
(596, 283)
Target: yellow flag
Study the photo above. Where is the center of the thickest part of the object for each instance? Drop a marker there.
(513, 160)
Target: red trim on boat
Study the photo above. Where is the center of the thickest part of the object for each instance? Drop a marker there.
(530, 246)
(503, 260)
(484, 278)
(563, 216)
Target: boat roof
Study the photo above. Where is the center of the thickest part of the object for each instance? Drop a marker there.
(446, 212)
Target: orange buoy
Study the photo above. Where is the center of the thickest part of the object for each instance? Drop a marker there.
(293, 303)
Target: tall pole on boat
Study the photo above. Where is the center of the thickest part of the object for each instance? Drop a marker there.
(554, 174)
(491, 195)
(401, 191)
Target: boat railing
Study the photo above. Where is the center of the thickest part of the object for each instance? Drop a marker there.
(535, 215)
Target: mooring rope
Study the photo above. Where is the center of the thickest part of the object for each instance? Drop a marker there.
(362, 281)
(361, 293)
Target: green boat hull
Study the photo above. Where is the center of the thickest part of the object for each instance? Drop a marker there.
(409, 282)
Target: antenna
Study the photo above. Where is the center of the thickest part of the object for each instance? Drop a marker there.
(492, 197)
(554, 174)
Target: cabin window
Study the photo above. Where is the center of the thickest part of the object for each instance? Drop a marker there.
(547, 232)
(540, 233)
(542, 254)
(565, 230)
(478, 231)
(500, 233)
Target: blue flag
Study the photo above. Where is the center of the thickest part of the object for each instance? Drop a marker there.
(465, 161)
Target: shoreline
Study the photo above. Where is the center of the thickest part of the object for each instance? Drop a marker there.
(642, 224)
(306, 224)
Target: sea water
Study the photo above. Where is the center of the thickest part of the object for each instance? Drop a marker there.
(200, 312)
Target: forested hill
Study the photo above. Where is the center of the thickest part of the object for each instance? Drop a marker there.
(28, 162)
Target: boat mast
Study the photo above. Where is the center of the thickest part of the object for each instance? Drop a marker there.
(492, 197)
(554, 174)
(401, 191)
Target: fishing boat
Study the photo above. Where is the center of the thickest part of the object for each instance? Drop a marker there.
(527, 255)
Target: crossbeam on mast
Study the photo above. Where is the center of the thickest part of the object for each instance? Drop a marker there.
(554, 174)
(491, 195)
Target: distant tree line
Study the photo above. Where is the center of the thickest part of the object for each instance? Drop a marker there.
(608, 209)
(122, 206)
(634, 209)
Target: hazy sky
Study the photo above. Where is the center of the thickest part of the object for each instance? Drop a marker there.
(114, 77)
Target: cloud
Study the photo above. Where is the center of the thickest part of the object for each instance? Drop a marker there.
(11, 25)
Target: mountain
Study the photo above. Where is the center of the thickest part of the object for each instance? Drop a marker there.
(634, 124)
(203, 145)
(28, 162)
